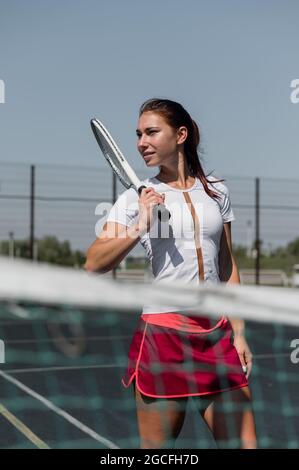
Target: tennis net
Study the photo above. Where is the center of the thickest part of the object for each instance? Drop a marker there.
(65, 336)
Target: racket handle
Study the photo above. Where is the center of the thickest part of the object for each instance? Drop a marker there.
(140, 189)
(163, 213)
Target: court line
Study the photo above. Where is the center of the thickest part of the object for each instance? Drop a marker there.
(271, 356)
(109, 366)
(58, 368)
(78, 338)
(64, 414)
(18, 424)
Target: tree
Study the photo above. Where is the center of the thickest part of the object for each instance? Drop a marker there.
(293, 247)
(49, 250)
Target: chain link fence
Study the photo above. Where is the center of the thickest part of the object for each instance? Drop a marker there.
(61, 201)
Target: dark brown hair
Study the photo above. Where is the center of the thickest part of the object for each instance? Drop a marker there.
(176, 116)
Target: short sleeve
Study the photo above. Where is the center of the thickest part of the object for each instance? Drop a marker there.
(224, 201)
(125, 210)
(225, 206)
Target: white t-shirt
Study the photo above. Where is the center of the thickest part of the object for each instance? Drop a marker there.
(185, 249)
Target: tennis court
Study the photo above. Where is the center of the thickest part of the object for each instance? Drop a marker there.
(61, 381)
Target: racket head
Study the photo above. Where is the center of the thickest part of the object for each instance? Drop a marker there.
(119, 164)
(113, 155)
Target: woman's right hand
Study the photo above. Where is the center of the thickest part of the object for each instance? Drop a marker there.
(147, 201)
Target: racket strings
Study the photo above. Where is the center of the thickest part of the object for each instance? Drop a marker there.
(112, 154)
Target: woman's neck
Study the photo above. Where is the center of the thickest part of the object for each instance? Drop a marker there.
(178, 176)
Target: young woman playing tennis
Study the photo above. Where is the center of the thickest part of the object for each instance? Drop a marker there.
(175, 356)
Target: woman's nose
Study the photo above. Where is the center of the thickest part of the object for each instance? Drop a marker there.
(142, 144)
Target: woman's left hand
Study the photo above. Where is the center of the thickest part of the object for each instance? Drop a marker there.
(244, 352)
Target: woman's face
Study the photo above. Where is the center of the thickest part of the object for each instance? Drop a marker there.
(157, 141)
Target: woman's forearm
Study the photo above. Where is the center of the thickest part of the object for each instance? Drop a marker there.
(238, 325)
(105, 254)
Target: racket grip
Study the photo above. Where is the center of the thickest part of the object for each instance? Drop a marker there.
(140, 189)
(163, 213)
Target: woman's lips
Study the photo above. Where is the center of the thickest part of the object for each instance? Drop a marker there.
(147, 157)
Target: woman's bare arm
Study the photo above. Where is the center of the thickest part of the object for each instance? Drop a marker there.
(228, 271)
(111, 247)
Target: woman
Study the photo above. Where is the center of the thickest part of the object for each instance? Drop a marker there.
(173, 356)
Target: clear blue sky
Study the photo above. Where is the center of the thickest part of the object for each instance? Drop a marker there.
(230, 63)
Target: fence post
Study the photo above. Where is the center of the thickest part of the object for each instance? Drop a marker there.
(32, 211)
(257, 231)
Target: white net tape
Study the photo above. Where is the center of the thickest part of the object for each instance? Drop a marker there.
(24, 281)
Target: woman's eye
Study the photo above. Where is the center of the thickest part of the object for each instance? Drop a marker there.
(149, 133)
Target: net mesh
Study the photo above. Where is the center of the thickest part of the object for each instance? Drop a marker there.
(65, 338)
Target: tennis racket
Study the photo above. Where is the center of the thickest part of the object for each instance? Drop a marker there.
(119, 164)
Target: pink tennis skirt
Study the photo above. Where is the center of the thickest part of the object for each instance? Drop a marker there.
(173, 356)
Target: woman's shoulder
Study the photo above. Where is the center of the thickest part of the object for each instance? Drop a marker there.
(214, 182)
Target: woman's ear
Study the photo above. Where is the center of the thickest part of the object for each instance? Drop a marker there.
(182, 134)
